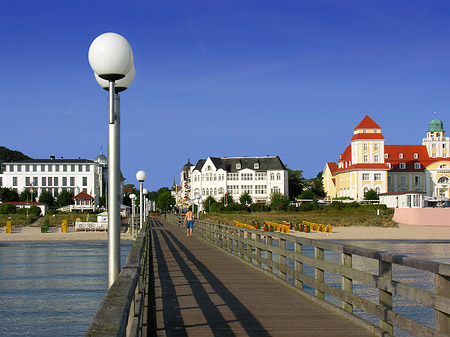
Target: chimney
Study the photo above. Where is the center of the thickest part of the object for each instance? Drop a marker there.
(52, 157)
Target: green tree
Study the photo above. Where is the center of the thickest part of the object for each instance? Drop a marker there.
(7, 209)
(46, 197)
(65, 198)
(317, 185)
(227, 199)
(307, 195)
(278, 202)
(209, 201)
(26, 195)
(8, 194)
(165, 199)
(245, 199)
(296, 183)
(102, 201)
(371, 195)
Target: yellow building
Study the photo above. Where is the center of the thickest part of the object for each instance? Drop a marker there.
(403, 175)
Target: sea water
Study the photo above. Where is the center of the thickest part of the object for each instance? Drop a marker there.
(52, 288)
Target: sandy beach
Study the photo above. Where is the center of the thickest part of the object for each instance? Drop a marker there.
(403, 232)
(29, 233)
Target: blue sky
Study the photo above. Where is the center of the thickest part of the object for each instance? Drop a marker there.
(223, 78)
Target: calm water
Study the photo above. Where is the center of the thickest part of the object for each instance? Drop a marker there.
(52, 288)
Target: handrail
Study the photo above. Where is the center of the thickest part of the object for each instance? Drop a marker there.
(268, 252)
(123, 309)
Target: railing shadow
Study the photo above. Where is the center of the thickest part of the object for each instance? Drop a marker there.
(218, 324)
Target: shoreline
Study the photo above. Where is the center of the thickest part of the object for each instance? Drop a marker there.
(402, 232)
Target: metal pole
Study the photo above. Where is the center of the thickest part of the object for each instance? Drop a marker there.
(113, 186)
(132, 218)
(140, 205)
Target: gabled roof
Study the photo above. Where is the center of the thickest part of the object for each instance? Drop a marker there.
(347, 154)
(332, 166)
(407, 152)
(82, 196)
(229, 164)
(367, 123)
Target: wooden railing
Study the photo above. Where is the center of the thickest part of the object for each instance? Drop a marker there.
(365, 297)
(124, 309)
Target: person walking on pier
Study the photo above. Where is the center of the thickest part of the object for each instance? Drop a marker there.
(189, 221)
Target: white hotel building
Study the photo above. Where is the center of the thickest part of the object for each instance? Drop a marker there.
(56, 175)
(258, 176)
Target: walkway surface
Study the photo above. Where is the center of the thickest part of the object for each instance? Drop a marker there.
(202, 291)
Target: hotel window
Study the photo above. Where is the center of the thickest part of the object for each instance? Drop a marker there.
(56, 168)
(35, 181)
(72, 168)
(417, 166)
(64, 168)
(278, 176)
(34, 168)
(386, 155)
(27, 168)
(260, 189)
(442, 166)
(64, 181)
(247, 189)
(232, 176)
(49, 168)
(276, 189)
(416, 156)
(416, 200)
(72, 181)
(260, 175)
(1, 182)
(402, 180)
(272, 176)
(42, 168)
(246, 176)
(389, 181)
(400, 155)
(238, 166)
(365, 176)
(433, 146)
(443, 180)
(27, 181)
(19, 168)
(365, 158)
(389, 165)
(402, 166)
(43, 181)
(256, 166)
(55, 181)
(375, 158)
(220, 190)
(80, 168)
(84, 181)
(88, 168)
(14, 181)
(377, 176)
(365, 146)
(417, 180)
(375, 146)
(49, 180)
(11, 168)
(233, 189)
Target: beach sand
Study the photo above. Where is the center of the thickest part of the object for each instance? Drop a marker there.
(403, 232)
(29, 233)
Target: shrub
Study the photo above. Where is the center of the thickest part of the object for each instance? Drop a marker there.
(7, 209)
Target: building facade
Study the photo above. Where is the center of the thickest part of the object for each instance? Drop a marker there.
(258, 176)
(56, 175)
(403, 175)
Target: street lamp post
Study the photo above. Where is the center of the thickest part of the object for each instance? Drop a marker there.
(140, 176)
(133, 198)
(111, 59)
(145, 192)
(198, 197)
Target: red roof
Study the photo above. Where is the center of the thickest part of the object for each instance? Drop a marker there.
(347, 154)
(367, 123)
(332, 166)
(367, 136)
(378, 166)
(82, 196)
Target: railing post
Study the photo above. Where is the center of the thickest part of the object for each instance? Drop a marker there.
(298, 265)
(249, 246)
(282, 257)
(258, 251)
(241, 244)
(319, 273)
(385, 271)
(347, 283)
(269, 253)
(442, 287)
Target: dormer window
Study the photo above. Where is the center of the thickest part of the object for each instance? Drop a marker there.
(238, 166)
(443, 166)
(375, 131)
(416, 156)
(417, 166)
(256, 166)
(402, 166)
(386, 155)
(400, 155)
(389, 165)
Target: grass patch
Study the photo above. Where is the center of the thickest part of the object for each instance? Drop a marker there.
(360, 216)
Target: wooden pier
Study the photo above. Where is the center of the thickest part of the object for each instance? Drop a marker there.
(202, 291)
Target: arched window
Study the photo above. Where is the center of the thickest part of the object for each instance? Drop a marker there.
(375, 147)
(278, 176)
(442, 166)
(272, 176)
(377, 190)
(443, 180)
(375, 158)
(365, 158)
(366, 190)
(365, 147)
(215, 190)
(220, 190)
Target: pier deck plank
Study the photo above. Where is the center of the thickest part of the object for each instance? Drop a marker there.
(202, 291)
